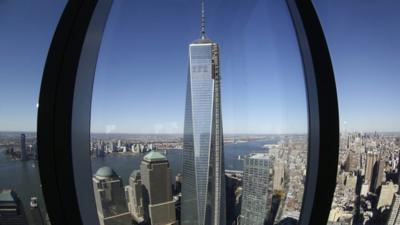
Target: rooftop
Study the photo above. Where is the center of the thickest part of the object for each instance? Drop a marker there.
(105, 171)
(154, 156)
(8, 199)
(203, 41)
(6, 196)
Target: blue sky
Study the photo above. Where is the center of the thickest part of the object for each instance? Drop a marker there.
(142, 68)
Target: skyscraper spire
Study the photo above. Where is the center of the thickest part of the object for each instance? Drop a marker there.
(203, 21)
(203, 184)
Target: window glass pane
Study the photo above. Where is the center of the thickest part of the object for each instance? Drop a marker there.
(27, 29)
(363, 40)
(194, 129)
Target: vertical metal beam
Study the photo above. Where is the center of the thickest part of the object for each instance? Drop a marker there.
(64, 102)
(323, 115)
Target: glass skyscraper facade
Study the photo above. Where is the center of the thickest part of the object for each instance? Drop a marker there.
(203, 187)
(256, 199)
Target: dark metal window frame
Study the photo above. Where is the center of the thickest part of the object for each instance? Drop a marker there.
(65, 104)
(323, 114)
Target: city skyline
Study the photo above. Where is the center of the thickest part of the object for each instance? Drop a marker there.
(363, 93)
(158, 154)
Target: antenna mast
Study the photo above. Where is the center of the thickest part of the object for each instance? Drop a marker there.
(203, 21)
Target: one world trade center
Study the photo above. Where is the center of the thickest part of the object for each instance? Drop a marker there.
(203, 185)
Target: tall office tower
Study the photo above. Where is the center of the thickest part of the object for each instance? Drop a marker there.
(377, 174)
(110, 200)
(394, 216)
(24, 155)
(178, 183)
(386, 194)
(279, 173)
(159, 206)
(133, 194)
(372, 158)
(256, 198)
(203, 186)
(351, 163)
(398, 169)
(233, 197)
(11, 209)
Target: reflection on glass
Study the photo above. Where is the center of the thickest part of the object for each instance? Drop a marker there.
(27, 30)
(203, 195)
(172, 158)
(366, 67)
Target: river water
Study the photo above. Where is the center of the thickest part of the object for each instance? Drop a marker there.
(23, 177)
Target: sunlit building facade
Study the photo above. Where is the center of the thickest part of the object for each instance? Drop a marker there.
(256, 199)
(134, 198)
(24, 155)
(394, 216)
(110, 199)
(159, 206)
(203, 187)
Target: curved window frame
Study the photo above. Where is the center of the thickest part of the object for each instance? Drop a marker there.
(63, 131)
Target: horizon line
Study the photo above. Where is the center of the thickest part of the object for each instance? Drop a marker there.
(228, 133)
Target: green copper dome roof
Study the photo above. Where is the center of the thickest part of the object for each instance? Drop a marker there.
(154, 157)
(105, 171)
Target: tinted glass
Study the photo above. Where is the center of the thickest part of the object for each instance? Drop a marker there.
(27, 28)
(223, 116)
(364, 45)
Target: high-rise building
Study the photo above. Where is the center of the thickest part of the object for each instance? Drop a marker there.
(203, 186)
(110, 199)
(24, 154)
(134, 198)
(233, 197)
(351, 182)
(377, 174)
(178, 183)
(11, 209)
(372, 158)
(386, 194)
(364, 190)
(394, 216)
(159, 206)
(279, 173)
(256, 198)
(352, 162)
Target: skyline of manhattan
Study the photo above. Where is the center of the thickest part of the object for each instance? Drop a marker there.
(116, 104)
(261, 170)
